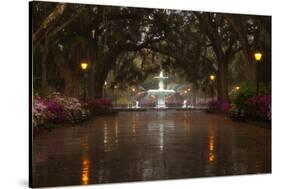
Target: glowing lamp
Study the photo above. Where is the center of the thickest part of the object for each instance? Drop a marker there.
(212, 77)
(84, 65)
(258, 56)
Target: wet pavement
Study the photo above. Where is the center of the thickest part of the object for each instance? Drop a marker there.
(151, 145)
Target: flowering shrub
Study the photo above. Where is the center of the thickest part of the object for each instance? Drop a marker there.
(259, 107)
(56, 108)
(253, 108)
(269, 113)
(225, 107)
(40, 112)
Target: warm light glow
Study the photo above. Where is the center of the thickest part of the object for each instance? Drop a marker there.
(84, 65)
(134, 125)
(105, 132)
(116, 131)
(185, 91)
(211, 144)
(115, 86)
(133, 89)
(188, 89)
(85, 172)
(105, 83)
(258, 56)
(212, 77)
(211, 157)
(85, 164)
(237, 88)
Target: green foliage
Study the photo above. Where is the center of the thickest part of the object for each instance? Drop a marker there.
(248, 90)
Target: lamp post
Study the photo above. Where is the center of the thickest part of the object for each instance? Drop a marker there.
(212, 78)
(104, 88)
(115, 89)
(84, 67)
(132, 96)
(129, 98)
(258, 56)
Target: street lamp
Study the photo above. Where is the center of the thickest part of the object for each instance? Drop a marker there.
(258, 56)
(104, 87)
(115, 89)
(132, 99)
(212, 77)
(84, 66)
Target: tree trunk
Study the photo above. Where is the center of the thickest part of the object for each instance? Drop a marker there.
(71, 83)
(222, 75)
(44, 81)
(95, 90)
(218, 81)
(250, 72)
(93, 54)
(223, 82)
(98, 86)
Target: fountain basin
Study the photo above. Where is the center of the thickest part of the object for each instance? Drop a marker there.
(160, 95)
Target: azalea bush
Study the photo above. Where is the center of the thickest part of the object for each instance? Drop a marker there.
(246, 104)
(248, 90)
(259, 107)
(41, 114)
(56, 108)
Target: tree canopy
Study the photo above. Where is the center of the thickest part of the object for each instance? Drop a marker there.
(126, 45)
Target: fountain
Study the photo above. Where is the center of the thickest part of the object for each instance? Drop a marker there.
(137, 104)
(161, 92)
(184, 104)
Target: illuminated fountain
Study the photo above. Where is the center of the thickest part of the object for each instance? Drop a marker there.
(184, 104)
(161, 92)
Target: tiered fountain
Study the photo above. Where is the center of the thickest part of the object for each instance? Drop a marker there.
(161, 92)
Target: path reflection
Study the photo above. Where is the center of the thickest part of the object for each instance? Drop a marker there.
(148, 145)
(105, 136)
(211, 144)
(85, 163)
(161, 136)
(187, 124)
(116, 131)
(134, 127)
